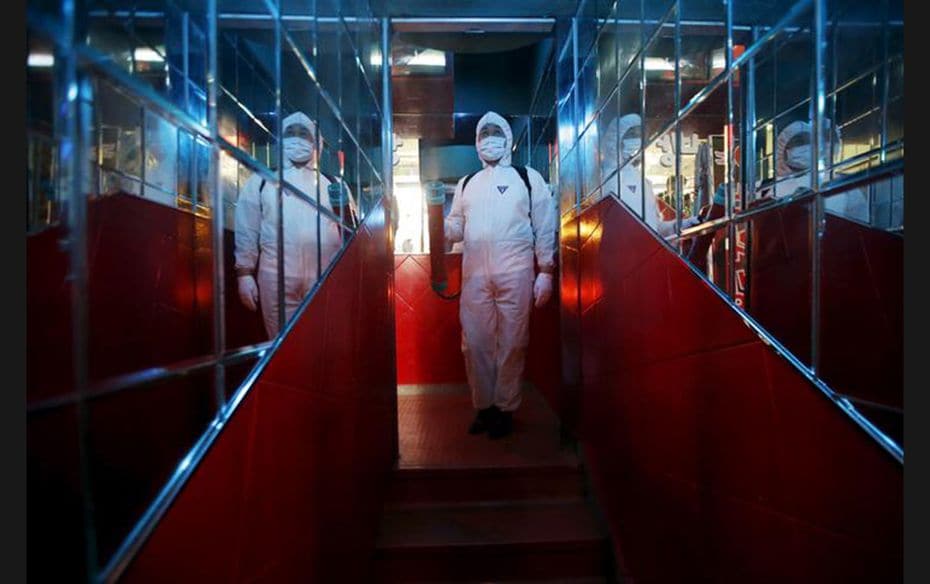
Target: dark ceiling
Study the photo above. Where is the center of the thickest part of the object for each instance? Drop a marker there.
(474, 8)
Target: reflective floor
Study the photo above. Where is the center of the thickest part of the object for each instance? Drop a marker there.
(433, 423)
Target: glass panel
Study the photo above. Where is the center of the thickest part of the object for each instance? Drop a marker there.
(630, 34)
(590, 169)
(246, 99)
(861, 322)
(568, 181)
(607, 61)
(609, 141)
(778, 287)
(660, 185)
(631, 92)
(55, 533)
(703, 159)
(587, 26)
(859, 65)
(371, 57)
(894, 120)
(236, 373)
(708, 251)
(567, 128)
(118, 141)
(136, 439)
(249, 249)
(42, 201)
(587, 92)
(49, 367)
(161, 160)
(886, 204)
(150, 272)
(655, 13)
(773, 96)
(370, 188)
(544, 99)
(659, 63)
(703, 45)
(161, 43)
(761, 14)
(332, 236)
(565, 71)
(411, 232)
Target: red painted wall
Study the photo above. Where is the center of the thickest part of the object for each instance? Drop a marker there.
(861, 298)
(429, 335)
(150, 295)
(713, 459)
(292, 488)
(150, 303)
(862, 319)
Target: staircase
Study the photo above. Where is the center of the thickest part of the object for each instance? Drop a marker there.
(466, 508)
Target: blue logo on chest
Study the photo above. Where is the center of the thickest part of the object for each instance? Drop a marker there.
(502, 188)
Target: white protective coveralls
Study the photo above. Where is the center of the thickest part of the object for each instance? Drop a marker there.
(630, 182)
(257, 226)
(492, 217)
(852, 204)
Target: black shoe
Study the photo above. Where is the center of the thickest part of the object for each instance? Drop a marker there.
(483, 420)
(501, 425)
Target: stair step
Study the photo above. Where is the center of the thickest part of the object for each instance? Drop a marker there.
(424, 485)
(583, 580)
(509, 541)
(432, 484)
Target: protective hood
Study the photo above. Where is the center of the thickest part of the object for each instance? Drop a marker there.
(497, 120)
(300, 119)
(781, 145)
(624, 125)
(791, 130)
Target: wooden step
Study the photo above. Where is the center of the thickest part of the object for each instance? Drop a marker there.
(510, 541)
(456, 484)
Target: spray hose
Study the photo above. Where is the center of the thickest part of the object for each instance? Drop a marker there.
(435, 200)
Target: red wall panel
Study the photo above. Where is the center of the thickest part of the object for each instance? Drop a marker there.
(150, 302)
(861, 298)
(295, 481)
(862, 312)
(780, 280)
(150, 294)
(713, 458)
(429, 335)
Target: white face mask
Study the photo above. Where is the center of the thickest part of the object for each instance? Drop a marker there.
(492, 148)
(629, 147)
(298, 149)
(799, 157)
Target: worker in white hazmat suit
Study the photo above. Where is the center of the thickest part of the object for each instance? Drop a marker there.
(504, 215)
(630, 184)
(793, 156)
(257, 227)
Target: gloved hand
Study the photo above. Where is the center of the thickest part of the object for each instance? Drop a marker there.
(542, 289)
(248, 292)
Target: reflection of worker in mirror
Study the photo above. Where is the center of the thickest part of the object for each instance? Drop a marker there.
(306, 231)
(629, 184)
(505, 215)
(794, 157)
